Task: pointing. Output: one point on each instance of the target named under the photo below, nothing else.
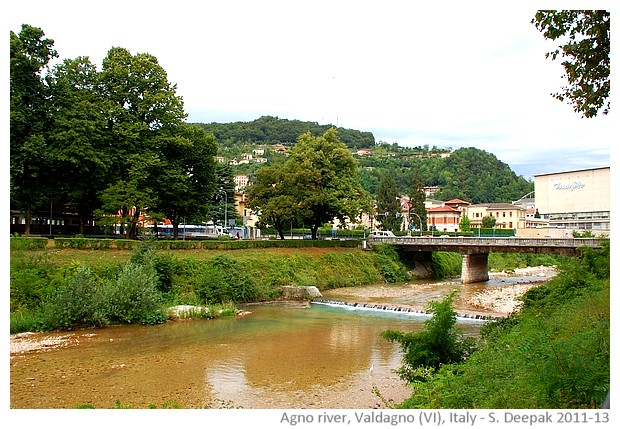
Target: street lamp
(420, 221)
(225, 208)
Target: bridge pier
(475, 268)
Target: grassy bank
(61, 287)
(64, 283)
(553, 353)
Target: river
(279, 356)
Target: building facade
(576, 200)
(507, 216)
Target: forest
(470, 174)
(273, 130)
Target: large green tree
(183, 175)
(143, 111)
(323, 180)
(30, 53)
(78, 142)
(585, 51)
(270, 196)
(317, 183)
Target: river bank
(487, 303)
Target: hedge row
(39, 243)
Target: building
(507, 216)
(458, 204)
(443, 219)
(241, 181)
(577, 200)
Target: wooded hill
(470, 174)
(273, 130)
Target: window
(503, 214)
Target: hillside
(470, 174)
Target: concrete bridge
(475, 250)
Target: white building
(576, 200)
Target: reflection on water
(277, 357)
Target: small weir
(398, 309)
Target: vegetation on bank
(553, 353)
(85, 282)
(65, 288)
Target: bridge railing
(491, 241)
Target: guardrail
(492, 241)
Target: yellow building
(507, 216)
(576, 200)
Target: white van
(381, 234)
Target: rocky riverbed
(505, 299)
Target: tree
(417, 209)
(143, 110)
(183, 178)
(324, 181)
(465, 224)
(439, 344)
(488, 222)
(317, 183)
(270, 196)
(77, 141)
(587, 56)
(30, 54)
(388, 204)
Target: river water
(279, 356)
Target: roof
(571, 171)
(457, 201)
(443, 209)
(497, 206)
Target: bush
(439, 344)
(446, 265)
(28, 288)
(132, 297)
(389, 264)
(26, 321)
(77, 302)
(28, 243)
(225, 281)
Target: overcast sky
(453, 76)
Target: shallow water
(279, 356)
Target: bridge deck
(469, 245)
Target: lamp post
(225, 208)
(420, 221)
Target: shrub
(446, 265)
(225, 280)
(28, 288)
(439, 344)
(26, 321)
(76, 302)
(132, 297)
(389, 264)
(28, 243)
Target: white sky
(451, 76)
